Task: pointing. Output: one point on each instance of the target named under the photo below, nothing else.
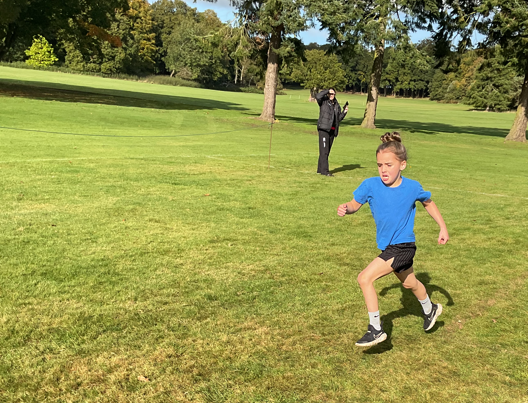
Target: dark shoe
(430, 320)
(372, 337)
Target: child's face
(389, 168)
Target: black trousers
(326, 140)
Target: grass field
(148, 253)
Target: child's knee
(410, 283)
(363, 279)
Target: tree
(126, 46)
(358, 68)
(195, 51)
(41, 53)
(242, 48)
(277, 21)
(168, 15)
(319, 71)
(408, 69)
(137, 49)
(460, 80)
(494, 84)
(502, 22)
(505, 22)
(21, 20)
(438, 86)
(372, 23)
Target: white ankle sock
(375, 320)
(426, 305)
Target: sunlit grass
(148, 253)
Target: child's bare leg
(410, 282)
(376, 269)
(431, 311)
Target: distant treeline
(170, 38)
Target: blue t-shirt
(393, 209)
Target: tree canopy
(319, 71)
(369, 47)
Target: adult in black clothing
(328, 126)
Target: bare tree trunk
(242, 74)
(518, 130)
(373, 91)
(270, 89)
(313, 92)
(172, 73)
(236, 73)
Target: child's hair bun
(394, 136)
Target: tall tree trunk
(236, 73)
(270, 89)
(373, 90)
(313, 92)
(7, 41)
(518, 130)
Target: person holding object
(330, 115)
(392, 200)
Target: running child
(392, 199)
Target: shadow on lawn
(74, 93)
(349, 167)
(435, 127)
(411, 306)
(348, 121)
(404, 125)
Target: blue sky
(226, 13)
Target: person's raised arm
(433, 211)
(343, 114)
(321, 96)
(348, 208)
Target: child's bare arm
(433, 211)
(348, 208)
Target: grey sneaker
(372, 337)
(430, 320)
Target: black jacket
(327, 112)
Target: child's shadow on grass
(411, 306)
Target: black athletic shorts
(403, 254)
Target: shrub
(40, 53)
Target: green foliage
(368, 22)
(438, 86)
(196, 51)
(245, 54)
(134, 28)
(320, 71)
(41, 53)
(168, 15)
(463, 78)
(502, 22)
(495, 86)
(408, 69)
(505, 22)
(21, 20)
(358, 68)
(264, 17)
(453, 85)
